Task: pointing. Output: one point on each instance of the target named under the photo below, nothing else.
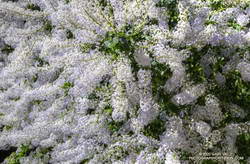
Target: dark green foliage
(172, 11)
(90, 111)
(105, 80)
(160, 74)
(139, 148)
(248, 25)
(117, 152)
(15, 157)
(69, 34)
(245, 5)
(166, 3)
(10, 0)
(235, 91)
(209, 161)
(155, 129)
(40, 62)
(103, 3)
(153, 21)
(130, 133)
(243, 145)
(36, 102)
(7, 49)
(208, 22)
(3, 89)
(103, 87)
(14, 99)
(201, 100)
(229, 118)
(242, 51)
(8, 127)
(86, 47)
(33, 7)
(108, 110)
(169, 107)
(184, 155)
(116, 43)
(47, 27)
(221, 61)
(67, 1)
(232, 23)
(218, 5)
(66, 86)
(114, 126)
(84, 161)
(93, 96)
(6, 153)
(238, 89)
(42, 152)
(34, 78)
(194, 68)
(100, 93)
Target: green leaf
(108, 110)
(15, 157)
(155, 128)
(33, 7)
(66, 86)
(114, 126)
(69, 34)
(7, 49)
(86, 47)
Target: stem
(93, 19)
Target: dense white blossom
(123, 81)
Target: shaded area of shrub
(155, 128)
(171, 10)
(6, 153)
(243, 146)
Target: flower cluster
(124, 81)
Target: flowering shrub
(124, 81)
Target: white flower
(243, 19)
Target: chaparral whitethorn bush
(124, 81)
